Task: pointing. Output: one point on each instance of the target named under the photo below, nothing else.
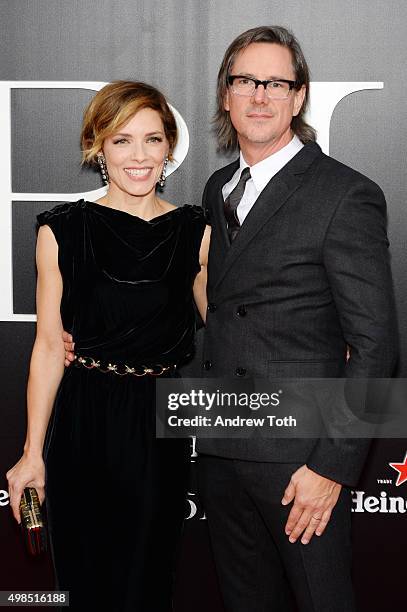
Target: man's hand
(314, 499)
(69, 347)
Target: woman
(119, 274)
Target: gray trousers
(259, 569)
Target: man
(298, 271)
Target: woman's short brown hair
(113, 106)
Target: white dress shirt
(261, 173)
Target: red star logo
(401, 468)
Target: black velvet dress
(115, 495)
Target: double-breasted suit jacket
(307, 275)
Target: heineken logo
(384, 504)
(401, 468)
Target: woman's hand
(29, 471)
(69, 347)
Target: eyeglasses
(275, 89)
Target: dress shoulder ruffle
(59, 217)
(60, 210)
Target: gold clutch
(32, 522)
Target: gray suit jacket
(307, 275)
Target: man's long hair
(226, 133)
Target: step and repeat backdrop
(54, 56)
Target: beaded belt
(122, 369)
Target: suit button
(207, 364)
(240, 372)
(241, 311)
(212, 307)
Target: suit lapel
(276, 193)
(219, 214)
(220, 244)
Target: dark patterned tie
(232, 202)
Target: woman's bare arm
(46, 370)
(201, 300)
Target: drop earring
(103, 169)
(161, 180)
